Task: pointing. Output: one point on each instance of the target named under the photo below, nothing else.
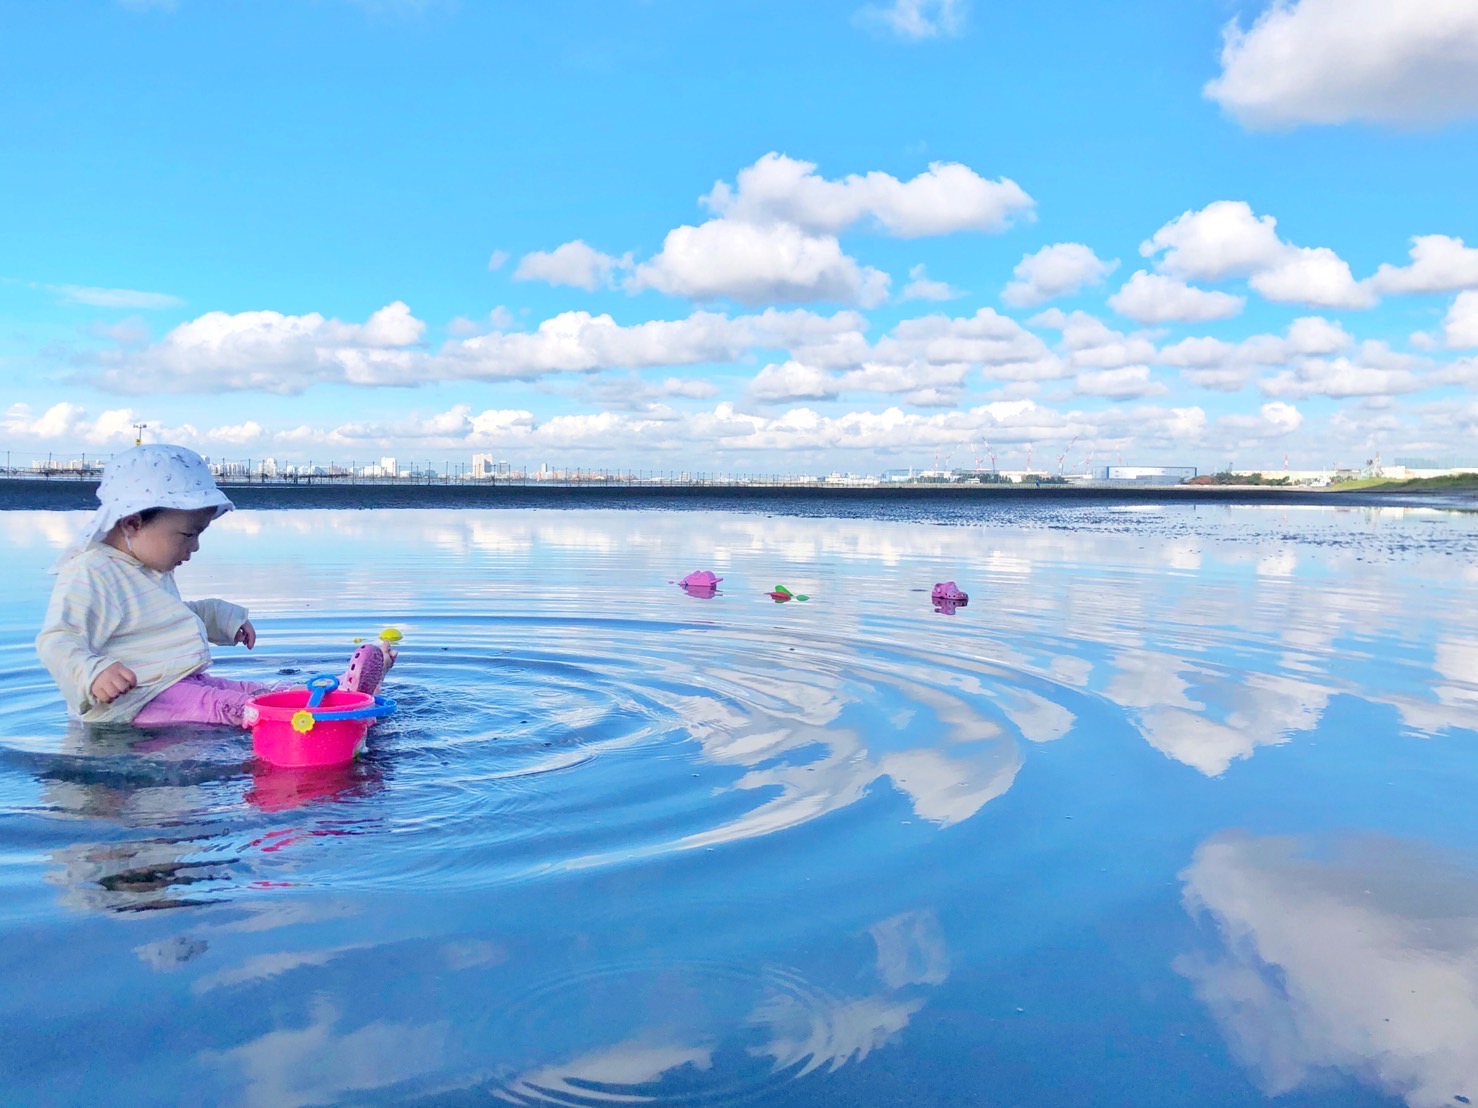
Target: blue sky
(742, 237)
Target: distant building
(485, 465)
(1148, 475)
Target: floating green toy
(782, 594)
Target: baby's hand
(112, 683)
(247, 635)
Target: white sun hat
(152, 476)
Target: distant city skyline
(789, 239)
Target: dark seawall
(69, 495)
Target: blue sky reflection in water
(1178, 809)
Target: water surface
(1179, 809)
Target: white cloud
(914, 20)
(1308, 335)
(115, 298)
(1339, 378)
(1312, 275)
(721, 431)
(1334, 61)
(219, 352)
(756, 264)
(1225, 239)
(1439, 263)
(1124, 383)
(70, 425)
(920, 287)
(1091, 343)
(1460, 327)
(948, 197)
(1154, 298)
(236, 435)
(499, 319)
(392, 325)
(271, 352)
(1227, 366)
(575, 263)
(1284, 417)
(497, 260)
(927, 358)
(578, 342)
(1357, 958)
(1058, 270)
(793, 381)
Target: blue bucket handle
(382, 706)
(323, 684)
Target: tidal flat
(1177, 809)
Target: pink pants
(199, 698)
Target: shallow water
(1179, 809)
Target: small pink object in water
(701, 582)
(948, 590)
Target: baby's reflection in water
(164, 811)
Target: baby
(118, 639)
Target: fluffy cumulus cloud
(1124, 383)
(269, 351)
(1460, 327)
(920, 287)
(1229, 366)
(1316, 276)
(946, 198)
(1058, 270)
(575, 263)
(1226, 239)
(1340, 378)
(1439, 263)
(926, 359)
(1155, 298)
(1090, 343)
(793, 381)
(916, 20)
(71, 424)
(774, 238)
(1333, 61)
(758, 264)
(722, 432)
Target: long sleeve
(222, 619)
(107, 608)
(78, 623)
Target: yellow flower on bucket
(302, 721)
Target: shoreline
(30, 494)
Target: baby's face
(169, 538)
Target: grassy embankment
(1458, 482)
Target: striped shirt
(107, 607)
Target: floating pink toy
(948, 590)
(701, 582)
(320, 725)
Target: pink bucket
(323, 726)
